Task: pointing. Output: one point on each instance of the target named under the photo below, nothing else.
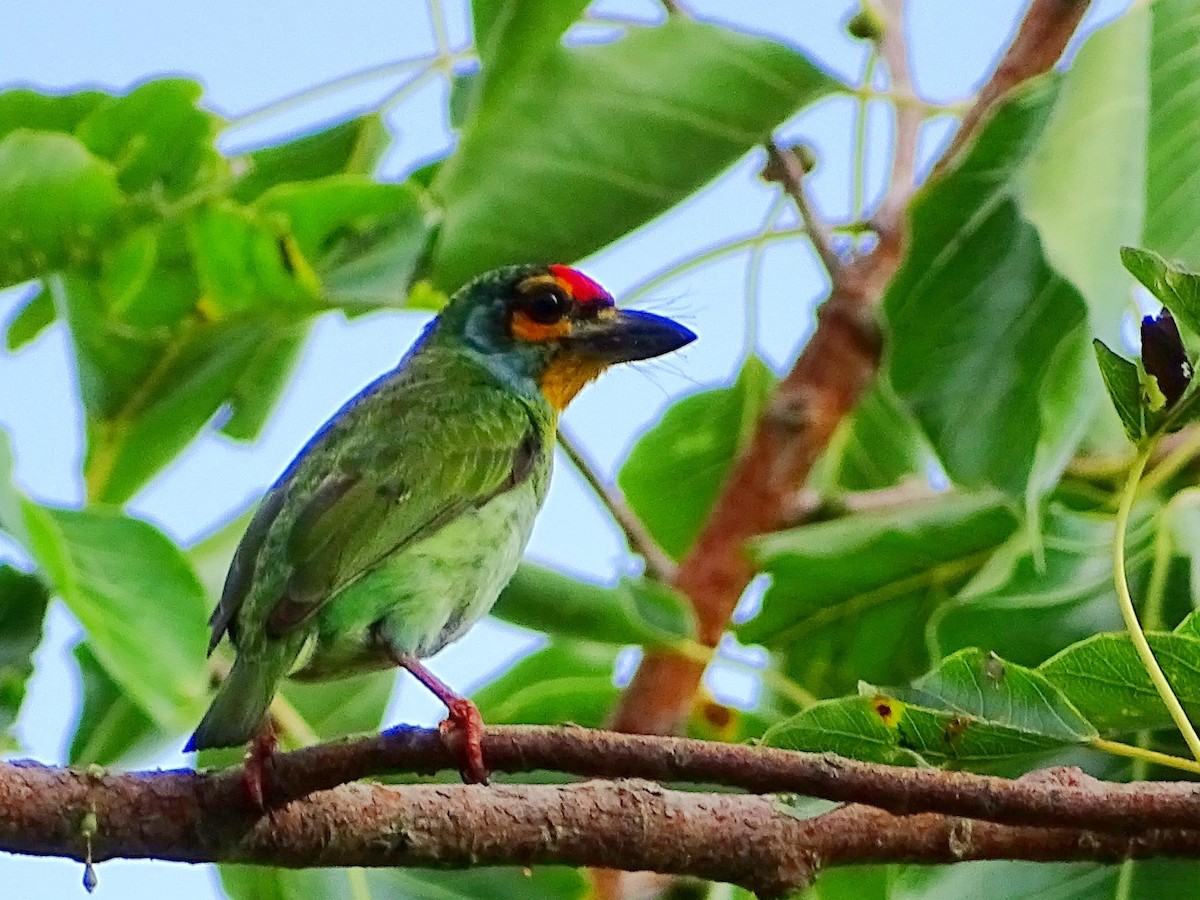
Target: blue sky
(248, 55)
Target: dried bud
(865, 25)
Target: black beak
(625, 335)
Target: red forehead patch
(581, 287)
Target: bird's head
(552, 325)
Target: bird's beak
(625, 335)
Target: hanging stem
(1129, 614)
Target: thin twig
(658, 564)
(785, 167)
(893, 47)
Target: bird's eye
(545, 305)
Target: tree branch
(750, 840)
(824, 385)
(785, 167)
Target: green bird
(398, 524)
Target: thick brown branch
(832, 372)
(747, 840)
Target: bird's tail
(238, 710)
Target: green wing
(403, 493)
(408, 455)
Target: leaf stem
(1143, 754)
(1129, 614)
(1170, 464)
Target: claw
(255, 774)
(465, 718)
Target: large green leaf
(352, 147)
(568, 681)
(975, 311)
(1027, 608)
(57, 203)
(1084, 186)
(24, 108)
(567, 148)
(675, 471)
(975, 710)
(493, 882)
(23, 600)
(363, 239)
(263, 381)
(987, 687)
(629, 613)
(155, 137)
(138, 600)
(1173, 155)
(244, 263)
(1144, 879)
(1176, 287)
(847, 568)
(1105, 679)
(865, 728)
(877, 445)
(111, 725)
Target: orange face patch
(566, 376)
(524, 328)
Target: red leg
(255, 767)
(464, 717)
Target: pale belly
(425, 597)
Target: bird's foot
(256, 767)
(465, 718)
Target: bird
(397, 525)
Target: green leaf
(57, 203)
(1173, 155)
(1144, 879)
(975, 311)
(147, 281)
(363, 239)
(1083, 187)
(263, 381)
(846, 568)
(23, 108)
(675, 471)
(865, 728)
(1027, 608)
(544, 114)
(1176, 287)
(111, 725)
(974, 710)
(34, 317)
(244, 263)
(545, 600)
(333, 709)
(1105, 679)
(492, 882)
(878, 445)
(138, 600)
(23, 599)
(156, 137)
(991, 689)
(568, 681)
(1124, 386)
(354, 147)
(185, 388)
